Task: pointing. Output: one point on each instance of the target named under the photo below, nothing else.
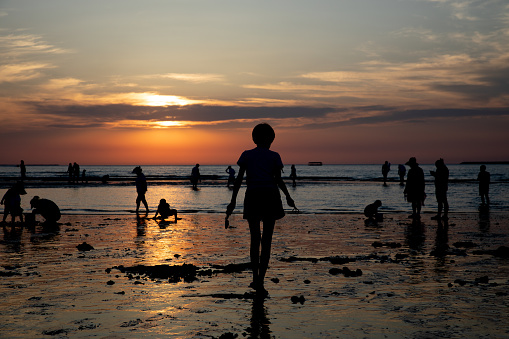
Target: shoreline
(429, 279)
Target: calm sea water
(320, 189)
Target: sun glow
(164, 100)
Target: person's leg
(268, 230)
(446, 206)
(138, 200)
(254, 229)
(145, 203)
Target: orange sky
(343, 82)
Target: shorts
(441, 195)
(263, 204)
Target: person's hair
(378, 202)
(483, 167)
(263, 134)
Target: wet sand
(403, 280)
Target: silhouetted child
(293, 175)
(386, 167)
(484, 185)
(231, 176)
(414, 188)
(401, 173)
(23, 170)
(141, 188)
(441, 186)
(12, 202)
(45, 207)
(371, 211)
(262, 201)
(195, 176)
(165, 211)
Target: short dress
(262, 200)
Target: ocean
(320, 189)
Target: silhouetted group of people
(415, 186)
(262, 168)
(73, 171)
(12, 205)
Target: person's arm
(236, 188)
(282, 186)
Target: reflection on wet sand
(417, 278)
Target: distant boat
(315, 163)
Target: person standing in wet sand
(12, 202)
(262, 202)
(441, 185)
(293, 175)
(414, 188)
(195, 176)
(386, 167)
(401, 173)
(231, 176)
(484, 185)
(23, 170)
(141, 189)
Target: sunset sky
(185, 81)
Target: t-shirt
(141, 183)
(261, 166)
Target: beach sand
(423, 280)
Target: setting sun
(163, 100)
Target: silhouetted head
(162, 201)
(137, 170)
(19, 187)
(34, 202)
(378, 203)
(439, 163)
(483, 168)
(412, 162)
(263, 135)
(197, 165)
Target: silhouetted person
(414, 188)
(262, 202)
(12, 202)
(84, 177)
(45, 207)
(76, 172)
(70, 171)
(293, 175)
(484, 185)
(195, 176)
(231, 176)
(165, 211)
(386, 167)
(23, 170)
(401, 173)
(371, 211)
(441, 186)
(141, 188)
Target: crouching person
(165, 211)
(45, 207)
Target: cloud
(96, 114)
(190, 77)
(15, 45)
(22, 71)
(411, 116)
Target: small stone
(84, 247)
(110, 282)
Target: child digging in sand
(371, 211)
(262, 202)
(165, 211)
